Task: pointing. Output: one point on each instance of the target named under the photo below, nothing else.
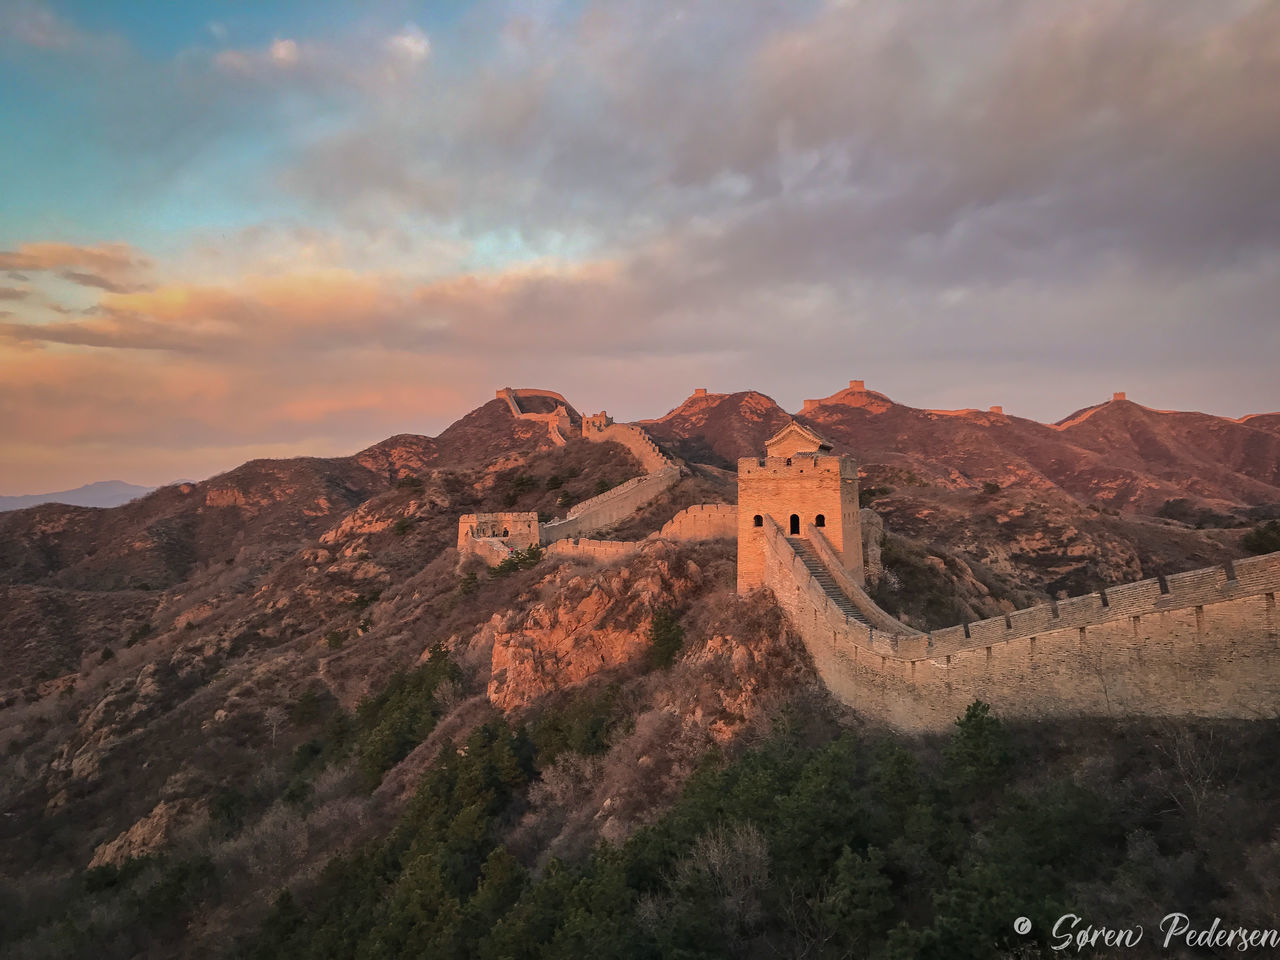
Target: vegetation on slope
(819, 843)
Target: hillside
(1118, 455)
(210, 693)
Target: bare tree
(274, 717)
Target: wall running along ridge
(596, 513)
(704, 521)
(1202, 644)
(557, 423)
(610, 507)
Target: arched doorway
(795, 524)
(758, 521)
(820, 520)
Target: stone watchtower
(798, 483)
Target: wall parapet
(1141, 598)
(611, 506)
(636, 440)
(702, 521)
(603, 551)
(877, 617)
(1214, 650)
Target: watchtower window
(506, 532)
(788, 461)
(795, 525)
(757, 521)
(820, 520)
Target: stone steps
(832, 589)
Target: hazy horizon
(795, 408)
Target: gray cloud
(970, 203)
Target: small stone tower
(799, 483)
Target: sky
(232, 230)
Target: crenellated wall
(703, 521)
(600, 551)
(635, 440)
(610, 507)
(1204, 643)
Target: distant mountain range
(104, 493)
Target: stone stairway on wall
(819, 571)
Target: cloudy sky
(231, 230)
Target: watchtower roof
(795, 438)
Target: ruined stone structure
(493, 536)
(596, 423)
(1201, 643)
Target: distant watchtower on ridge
(806, 490)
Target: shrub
(107, 654)
(978, 750)
(990, 487)
(1264, 538)
(403, 526)
(400, 717)
(581, 726)
(362, 601)
(140, 632)
(409, 482)
(665, 639)
(519, 560)
(335, 639)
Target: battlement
(842, 466)
(1141, 598)
(596, 423)
(1200, 643)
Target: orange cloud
(107, 258)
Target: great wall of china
(1200, 643)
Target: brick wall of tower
(807, 486)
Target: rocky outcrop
(152, 833)
(589, 623)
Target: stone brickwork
(634, 439)
(517, 530)
(1204, 643)
(600, 551)
(610, 507)
(596, 423)
(1200, 643)
(818, 489)
(704, 521)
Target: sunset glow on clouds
(234, 230)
